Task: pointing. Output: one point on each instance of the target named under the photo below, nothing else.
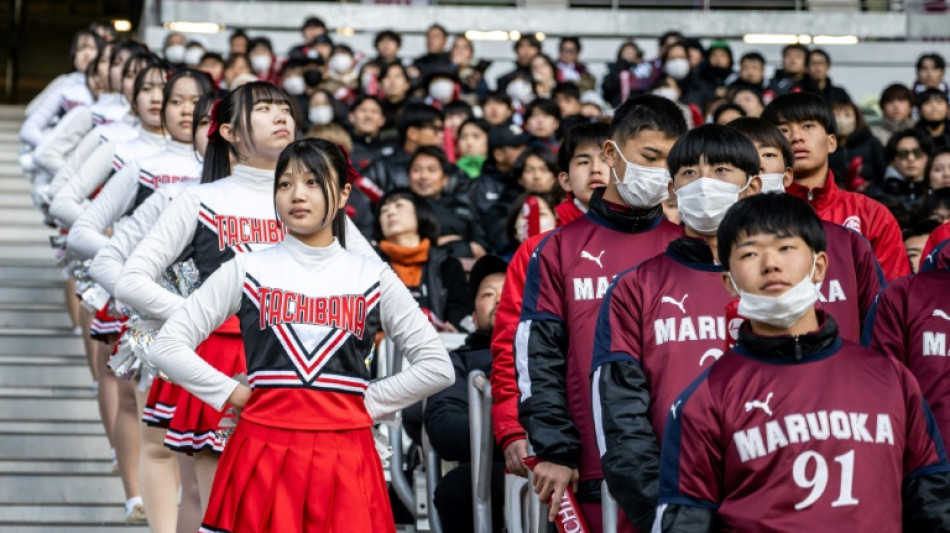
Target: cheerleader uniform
(50, 154)
(209, 224)
(302, 457)
(65, 96)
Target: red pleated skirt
(105, 327)
(194, 425)
(273, 480)
(161, 403)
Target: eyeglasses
(905, 154)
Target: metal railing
(480, 439)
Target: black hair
(262, 41)
(681, 44)
(800, 107)
(728, 106)
(817, 52)
(542, 153)
(919, 228)
(161, 66)
(529, 39)
(896, 91)
(764, 133)
(925, 141)
(445, 33)
(342, 48)
(431, 151)
(549, 198)
(929, 94)
(939, 198)
(203, 109)
(779, 214)
(313, 22)
(457, 107)
(630, 44)
(646, 112)
(236, 110)
(479, 123)
(212, 55)
(234, 58)
(416, 115)
(360, 100)
(576, 41)
(716, 144)
(325, 160)
(106, 25)
(671, 33)
(77, 39)
(752, 56)
(202, 79)
(143, 60)
(937, 59)
(795, 46)
(545, 105)
(387, 34)
(384, 70)
(238, 34)
(581, 135)
(427, 225)
(132, 47)
(568, 89)
(497, 96)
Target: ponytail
(217, 162)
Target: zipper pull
(811, 194)
(798, 349)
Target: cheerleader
(302, 457)
(209, 224)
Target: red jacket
(939, 235)
(504, 386)
(864, 215)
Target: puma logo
(715, 353)
(675, 407)
(586, 255)
(669, 300)
(941, 314)
(756, 404)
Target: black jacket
(831, 92)
(864, 145)
(392, 171)
(940, 141)
(457, 216)
(492, 195)
(505, 79)
(782, 83)
(368, 149)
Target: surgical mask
(193, 56)
(642, 187)
(703, 203)
(667, 92)
(175, 53)
(442, 90)
(320, 115)
(341, 63)
(677, 68)
(773, 182)
(260, 64)
(519, 90)
(780, 311)
(846, 126)
(295, 85)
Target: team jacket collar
(788, 349)
(628, 220)
(693, 252)
(819, 197)
(310, 256)
(255, 177)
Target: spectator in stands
(536, 171)
(914, 240)
(526, 48)
(194, 51)
(569, 67)
(542, 120)
(520, 88)
(544, 75)
(213, 64)
(367, 120)
(748, 99)
(693, 88)
(173, 49)
(419, 125)
(322, 109)
(593, 106)
(818, 82)
(717, 68)
(751, 73)
(938, 170)
(312, 28)
(387, 45)
(395, 85)
(460, 231)
(792, 74)
(932, 107)
(936, 206)
(518, 222)
(497, 188)
(456, 112)
(726, 113)
(629, 74)
(263, 61)
(435, 58)
(342, 77)
(447, 417)
(237, 65)
(238, 42)
(907, 154)
(897, 106)
(931, 69)
(408, 232)
(497, 108)
(473, 146)
(859, 159)
(471, 72)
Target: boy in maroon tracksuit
(567, 278)
(795, 429)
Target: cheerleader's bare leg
(89, 345)
(189, 511)
(206, 463)
(72, 303)
(158, 478)
(108, 392)
(126, 437)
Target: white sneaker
(135, 515)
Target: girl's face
(238, 67)
(897, 109)
(940, 172)
(473, 141)
(148, 102)
(128, 80)
(201, 133)
(398, 217)
(85, 53)
(461, 51)
(180, 109)
(273, 129)
(749, 102)
(395, 84)
(541, 125)
(547, 220)
(426, 177)
(537, 177)
(541, 70)
(303, 207)
(319, 99)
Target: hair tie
(168, 75)
(214, 121)
(352, 175)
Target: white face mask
(320, 115)
(341, 63)
(260, 64)
(519, 90)
(193, 56)
(442, 90)
(175, 53)
(677, 68)
(703, 203)
(295, 85)
(667, 92)
(642, 187)
(780, 311)
(772, 182)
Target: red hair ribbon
(214, 121)
(354, 178)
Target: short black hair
(458, 107)
(387, 34)
(542, 153)
(920, 228)
(581, 135)
(818, 52)
(313, 22)
(764, 133)
(929, 94)
(939, 198)
(445, 32)
(716, 144)
(778, 214)
(671, 33)
(417, 115)
(752, 56)
(238, 34)
(795, 46)
(568, 89)
(728, 106)
(925, 141)
(896, 91)
(647, 112)
(431, 151)
(800, 107)
(544, 105)
(576, 41)
(260, 41)
(213, 56)
(426, 221)
(529, 39)
(938, 60)
(360, 100)
(497, 96)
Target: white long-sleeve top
(63, 97)
(52, 152)
(315, 380)
(50, 88)
(213, 221)
(109, 157)
(122, 130)
(128, 188)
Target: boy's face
(496, 112)
(568, 105)
(724, 172)
(915, 247)
(586, 172)
(771, 161)
(751, 71)
(769, 265)
(929, 75)
(909, 159)
(898, 109)
(818, 67)
(934, 109)
(541, 125)
(793, 62)
(811, 144)
(649, 148)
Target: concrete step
(71, 391)
(55, 318)
(37, 272)
(84, 466)
(74, 488)
(49, 292)
(36, 447)
(33, 250)
(21, 216)
(73, 528)
(39, 514)
(19, 427)
(26, 234)
(28, 375)
(14, 186)
(60, 345)
(42, 360)
(15, 200)
(48, 409)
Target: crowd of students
(682, 285)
